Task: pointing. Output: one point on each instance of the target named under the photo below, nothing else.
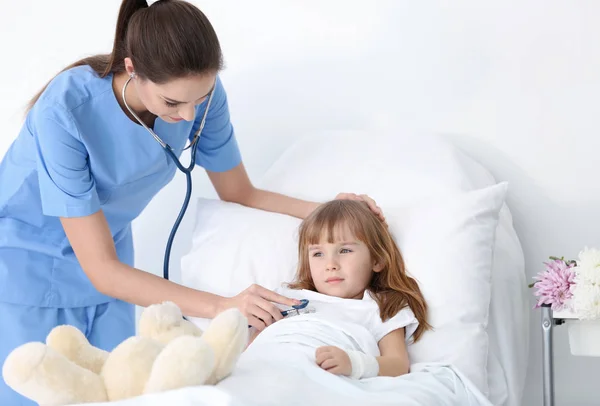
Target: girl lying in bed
(366, 309)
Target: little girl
(353, 275)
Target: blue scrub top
(77, 153)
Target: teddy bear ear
(158, 318)
(164, 322)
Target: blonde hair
(391, 288)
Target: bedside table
(584, 340)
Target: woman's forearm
(275, 202)
(132, 285)
(93, 245)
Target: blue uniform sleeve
(67, 188)
(217, 149)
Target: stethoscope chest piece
(297, 310)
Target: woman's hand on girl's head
(257, 304)
(369, 201)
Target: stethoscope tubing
(186, 170)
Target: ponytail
(115, 61)
(105, 64)
(170, 39)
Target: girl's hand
(333, 359)
(370, 202)
(256, 303)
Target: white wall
(514, 83)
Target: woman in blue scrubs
(82, 169)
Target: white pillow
(447, 243)
(235, 246)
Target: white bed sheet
(274, 385)
(279, 369)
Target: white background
(515, 84)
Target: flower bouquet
(573, 287)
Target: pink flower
(553, 286)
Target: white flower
(586, 301)
(587, 270)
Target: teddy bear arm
(228, 335)
(128, 367)
(186, 361)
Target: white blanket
(279, 369)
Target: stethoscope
(187, 171)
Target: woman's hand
(256, 303)
(370, 202)
(333, 359)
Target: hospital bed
(435, 198)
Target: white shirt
(355, 313)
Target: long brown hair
(391, 288)
(170, 39)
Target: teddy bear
(168, 352)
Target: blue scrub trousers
(105, 326)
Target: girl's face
(343, 268)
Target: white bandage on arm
(363, 365)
